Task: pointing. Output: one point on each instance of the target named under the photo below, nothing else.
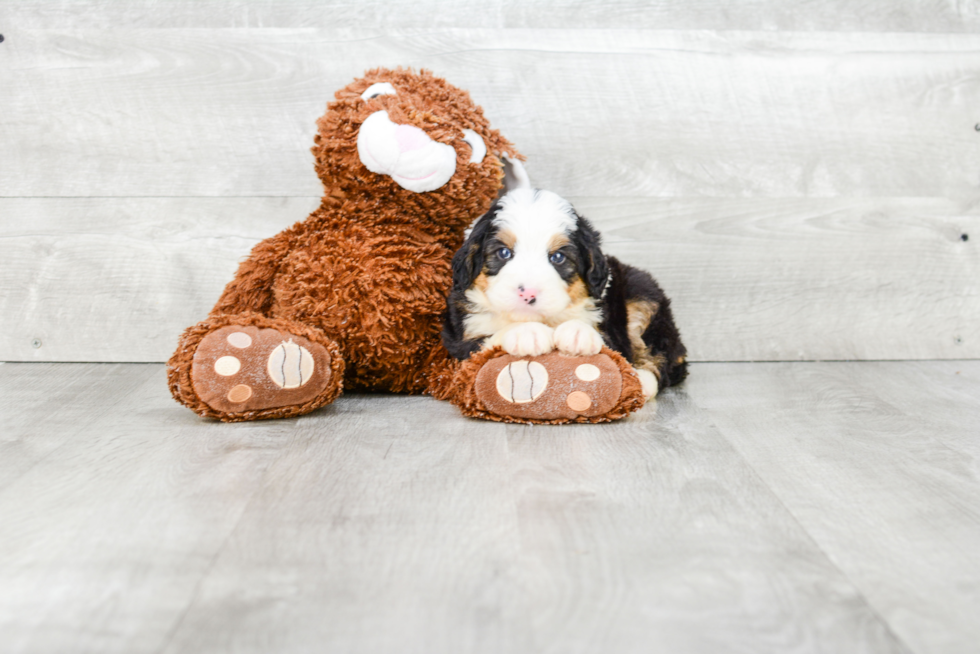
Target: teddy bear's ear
(514, 174)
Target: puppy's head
(531, 257)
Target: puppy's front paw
(648, 381)
(577, 338)
(529, 339)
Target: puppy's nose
(410, 138)
(530, 296)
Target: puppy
(531, 278)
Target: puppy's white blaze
(541, 211)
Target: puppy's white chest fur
(485, 320)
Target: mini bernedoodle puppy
(531, 278)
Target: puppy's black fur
(468, 263)
(661, 340)
(619, 290)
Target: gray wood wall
(802, 177)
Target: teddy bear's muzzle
(405, 153)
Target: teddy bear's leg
(440, 369)
(249, 367)
(552, 388)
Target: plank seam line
(830, 560)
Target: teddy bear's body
(380, 293)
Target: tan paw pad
(549, 387)
(242, 368)
(522, 381)
(239, 394)
(227, 366)
(241, 340)
(578, 401)
(587, 372)
(290, 365)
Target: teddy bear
(353, 296)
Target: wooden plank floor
(766, 507)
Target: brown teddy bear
(353, 296)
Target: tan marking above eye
(507, 237)
(557, 242)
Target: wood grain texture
(651, 535)
(105, 540)
(757, 279)
(392, 534)
(206, 112)
(127, 275)
(391, 524)
(803, 279)
(62, 399)
(519, 540)
(831, 15)
(879, 464)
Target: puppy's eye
(504, 253)
(556, 258)
(477, 146)
(379, 88)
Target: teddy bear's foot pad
(238, 369)
(549, 387)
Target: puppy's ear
(468, 260)
(592, 262)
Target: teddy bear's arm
(251, 288)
